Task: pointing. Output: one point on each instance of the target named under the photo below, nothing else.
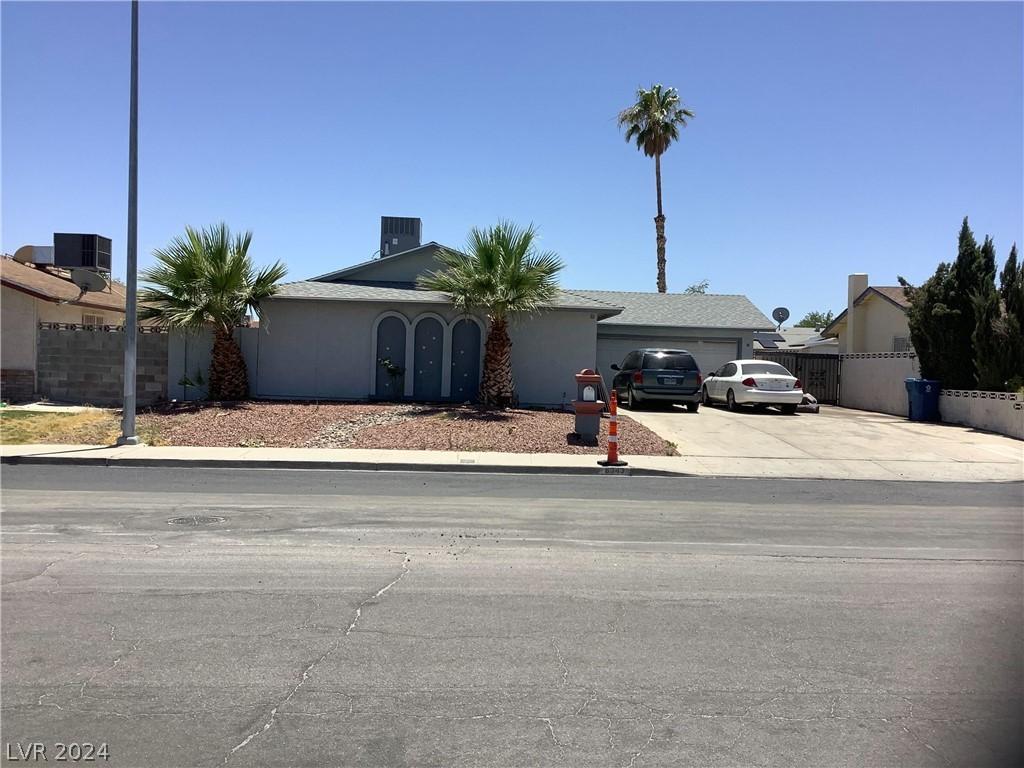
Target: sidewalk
(518, 463)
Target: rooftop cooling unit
(34, 254)
(77, 251)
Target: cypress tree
(988, 338)
(1011, 294)
(945, 311)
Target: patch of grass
(83, 428)
(671, 449)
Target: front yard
(334, 425)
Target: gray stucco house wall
(327, 348)
(326, 338)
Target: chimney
(399, 233)
(856, 284)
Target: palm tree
(207, 278)
(504, 275)
(653, 122)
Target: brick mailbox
(587, 405)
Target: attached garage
(713, 328)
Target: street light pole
(131, 330)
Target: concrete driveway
(836, 443)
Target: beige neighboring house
(875, 319)
(33, 294)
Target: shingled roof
(356, 290)
(56, 286)
(689, 310)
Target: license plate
(669, 380)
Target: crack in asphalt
(639, 752)
(43, 572)
(309, 669)
(561, 663)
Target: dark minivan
(663, 375)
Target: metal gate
(818, 373)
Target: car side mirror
(615, 367)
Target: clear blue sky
(829, 138)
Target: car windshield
(669, 361)
(773, 368)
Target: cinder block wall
(85, 366)
(17, 384)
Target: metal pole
(128, 436)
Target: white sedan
(753, 382)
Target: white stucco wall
(875, 381)
(324, 349)
(18, 322)
(1001, 412)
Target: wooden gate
(818, 373)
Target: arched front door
(465, 360)
(390, 346)
(427, 359)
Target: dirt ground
(338, 425)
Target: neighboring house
(31, 295)
(875, 319)
(369, 331)
(801, 340)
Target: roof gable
(894, 294)
(402, 267)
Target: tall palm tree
(207, 278)
(502, 274)
(653, 122)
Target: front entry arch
(391, 337)
(428, 358)
(466, 337)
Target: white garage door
(710, 354)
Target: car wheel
(704, 397)
(730, 400)
(789, 410)
(630, 399)
(693, 407)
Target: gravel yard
(464, 428)
(404, 426)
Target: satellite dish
(87, 280)
(780, 315)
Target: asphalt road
(384, 619)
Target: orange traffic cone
(613, 433)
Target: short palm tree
(653, 122)
(207, 279)
(502, 274)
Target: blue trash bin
(923, 399)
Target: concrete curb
(363, 466)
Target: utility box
(588, 406)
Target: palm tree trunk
(228, 377)
(659, 229)
(497, 387)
